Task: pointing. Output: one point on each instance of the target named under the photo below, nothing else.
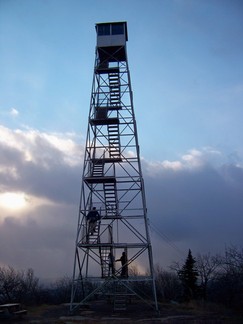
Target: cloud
(198, 205)
(39, 187)
(42, 240)
(192, 160)
(39, 164)
(194, 202)
(14, 112)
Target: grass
(195, 312)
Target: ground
(137, 312)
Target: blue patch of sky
(185, 59)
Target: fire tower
(112, 182)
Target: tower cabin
(111, 42)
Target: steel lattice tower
(112, 182)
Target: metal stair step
(114, 84)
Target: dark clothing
(124, 270)
(111, 260)
(93, 216)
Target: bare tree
(176, 267)
(233, 277)
(168, 284)
(9, 284)
(19, 286)
(30, 286)
(207, 267)
(233, 260)
(61, 290)
(227, 284)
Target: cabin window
(104, 30)
(117, 29)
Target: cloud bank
(194, 202)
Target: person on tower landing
(124, 270)
(92, 217)
(111, 260)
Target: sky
(185, 60)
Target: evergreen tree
(188, 275)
